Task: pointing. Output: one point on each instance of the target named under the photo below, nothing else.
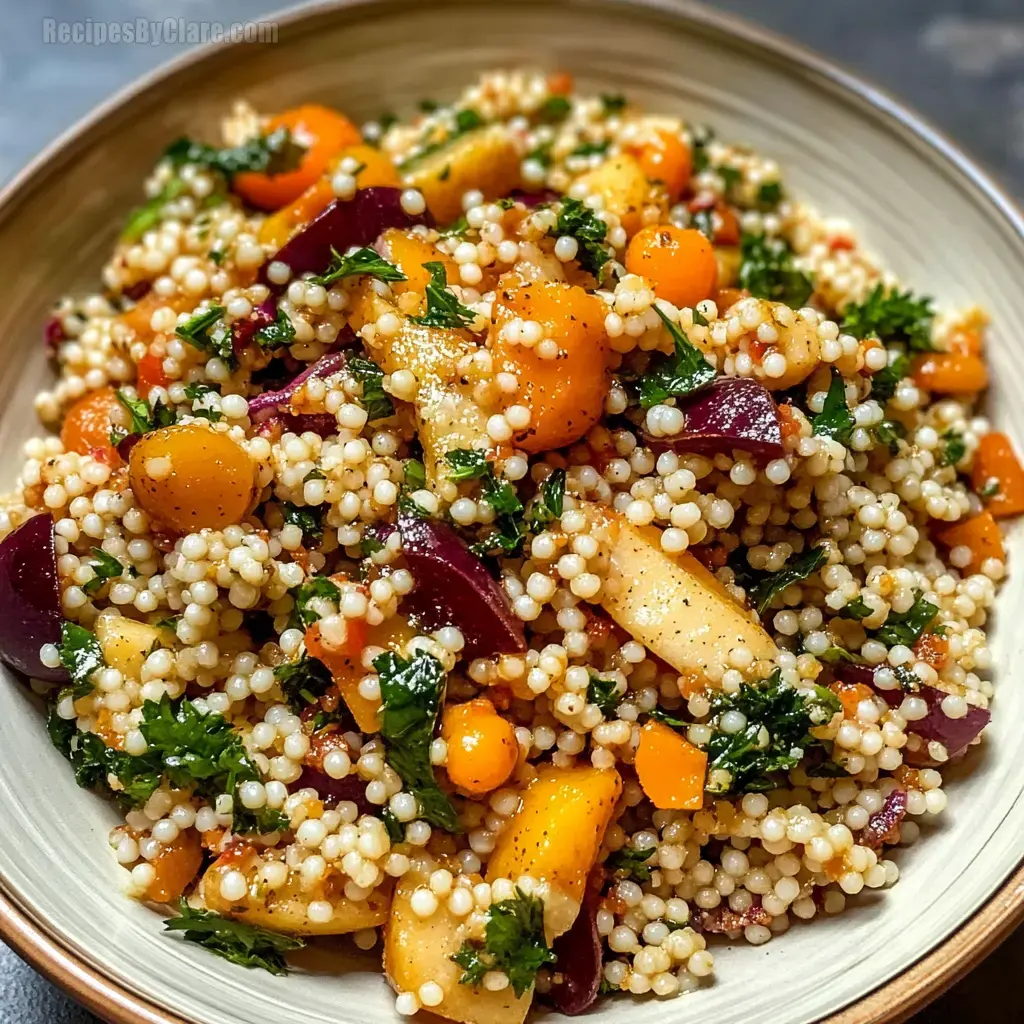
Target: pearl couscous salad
(520, 536)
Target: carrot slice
(996, 466)
(323, 131)
(671, 770)
(981, 534)
(950, 373)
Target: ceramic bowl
(922, 206)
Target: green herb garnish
(319, 587)
(612, 103)
(443, 308)
(953, 449)
(144, 419)
(80, 654)
(762, 587)
(513, 943)
(106, 567)
(632, 863)
(677, 375)
(376, 401)
(767, 271)
(549, 502)
(835, 419)
(148, 216)
(207, 332)
(554, 109)
(411, 691)
(906, 627)
(884, 381)
(303, 682)
(277, 334)
(604, 693)
(361, 261)
(241, 943)
(309, 519)
(275, 153)
(892, 316)
(578, 221)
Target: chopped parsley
(906, 627)
(767, 271)
(513, 943)
(953, 449)
(892, 316)
(106, 567)
(604, 693)
(612, 103)
(148, 216)
(762, 587)
(259, 822)
(276, 334)
(541, 154)
(376, 401)
(415, 475)
(884, 381)
(207, 332)
(361, 261)
(465, 120)
(591, 148)
(144, 419)
(467, 464)
(632, 863)
(550, 500)
(770, 194)
(443, 308)
(680, 374)
(394, 828)
(94, 763)
(274, 153)
(554, 109)
(303, 682)
(309, 519)
(197, 393)
(318, 587)
(890, 433)
(775, 738)
(835, 419)
(578, 221)
(856, 609)
(370, 546)
(241, 943)
(80, 655)
(701, 137)
(411, 692)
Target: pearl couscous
(522, 536)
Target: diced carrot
(996, 466)
(933, 649)
(322, 131)
(850, 695)
(671, 770)
(137, 318)
(149, 374)
(725, 298)
(950, 373)
(968, 341)
(176, 865)
(728, 232)
(374, 168)
(789, 425)
(482, 746)
(88, 422)
(560, 83)
(667, 159)
(981, 534)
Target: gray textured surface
(960, 62)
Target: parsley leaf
(612, 103)
(884, 381)
(376, 401)
(770, 194)
(207, 332)
(554, 109)
(80, 654)
(443, 308)
(906, 627)
(148, 216)
(411, 692)
(890, 432)
(241, 943)
(762, 587)
(604, 693)
(892, 316)
(309, 518)
(106, 567)
(680, 374)
(591, 148)
(274, 153)
(550, 500)
(632, 863)
(415, 475)
(303, 682)
(767, 271)
(259, 822)
(513, 943)
(94, 762)
(317, 587)
(467, 464)
(578, 221)
(835, 419)
(361, 261)
(954, 448)
(142, 419)
(277, 334)
(775, 738)
(855, 609)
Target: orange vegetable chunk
(176, 865)
(995, 460)
(88, 422)
(667, 159)
(679, 262)
(981, 534)
(671, 770)
(950, 373)
(482, 746)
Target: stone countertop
(951, 59)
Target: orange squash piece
(482, 746)
(950, 373)
(995, 460)
(671, 770)
(981, 534)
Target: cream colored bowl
(922, 206)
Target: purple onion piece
(533, 199)
(126, 444)
(242, 331)
(883, 826)
(955, 734)
(336, 791)
(731, 413)
(137, 291)
(53, 335)
(273, 403)
(30, 598)
(578, 953)
(454, 589)
(357, 221)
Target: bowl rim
(895, 1000)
